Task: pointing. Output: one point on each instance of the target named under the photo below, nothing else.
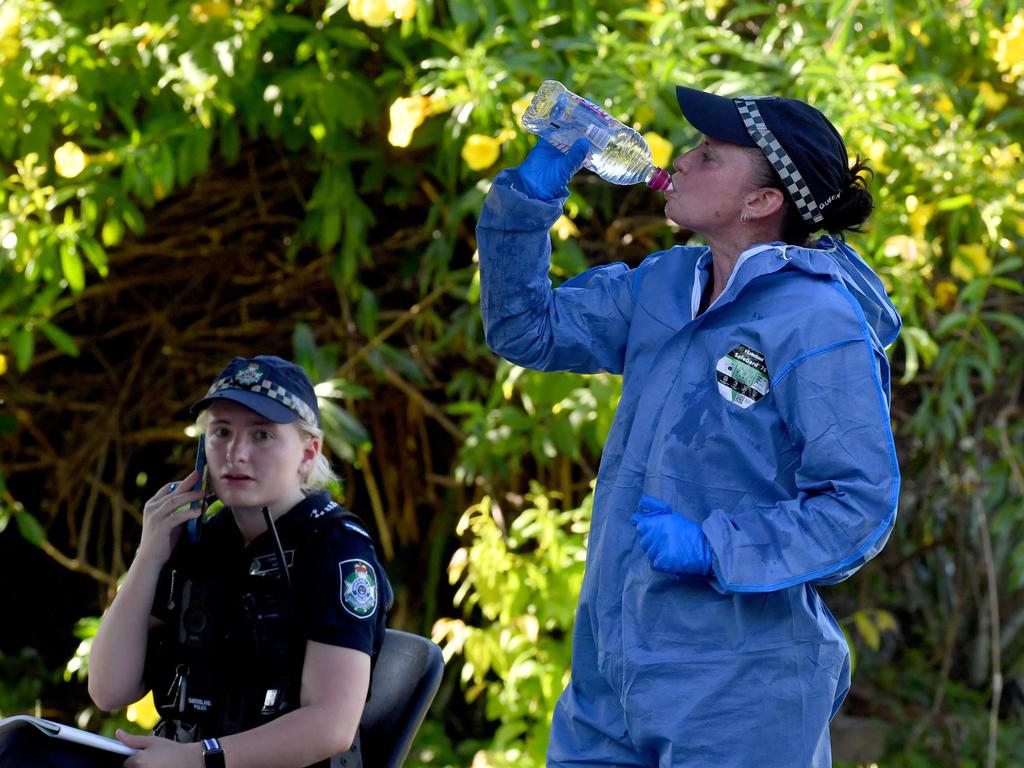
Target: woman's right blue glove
(546, 171)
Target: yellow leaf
(884, 73)
(972, 260)
(885, 621)
(990, 97)
(867, 630)
(3, 364)
(945, 294)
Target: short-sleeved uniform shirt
(235, 633)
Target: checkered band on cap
(267, 389)
(806, 205)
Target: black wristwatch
(213, 755)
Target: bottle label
(598, 136)
(579, 118)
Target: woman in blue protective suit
(751, 458)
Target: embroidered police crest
(358, 588)
(249, 376)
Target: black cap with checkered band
(801, 144)
(276, 389)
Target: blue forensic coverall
(765, 420)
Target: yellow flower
(3, 364)
(480, 151)
(945, 107)
(69, 160)
(407, 114)
(143, 712)
(971, 261)
(10, 31)
(212, 9)
(403, 9)
(374, 13)
(565, 228)
(990, 97)
(917, 31)
(1009, 48)
(712, 8)
(661, 149)
(945, 294)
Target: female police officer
(252, 663)
(751, 457)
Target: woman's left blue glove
(675, 544)
(546, 171)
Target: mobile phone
(196, 524)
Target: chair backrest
(405, 681)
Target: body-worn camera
(202, 613)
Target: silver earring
(744, 218)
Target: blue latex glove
(675, 544)
(546, 171)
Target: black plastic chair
(405, 681)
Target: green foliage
(518, 592)
(109, 109)
(22, 680)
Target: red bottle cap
(660, 180)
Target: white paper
(66, 733)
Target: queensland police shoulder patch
(358, 588)
(742, 376)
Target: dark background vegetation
(184, 182)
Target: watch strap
(213, 754)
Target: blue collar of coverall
(831, 258)
(701, 274)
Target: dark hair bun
(854, 204)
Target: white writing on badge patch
(266, 565)
(742, 376)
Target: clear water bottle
(618, 153)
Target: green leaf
(71, 265)
(867, 629)
(60, 339)
(1012, 322)
(95, 253)
(304, 347)
(29, 527)
(23, 342)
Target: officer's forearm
(304, 736)
(118, 652)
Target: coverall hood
(835, 259)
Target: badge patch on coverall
(742, 376)
(358, 588)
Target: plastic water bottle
(617, 153)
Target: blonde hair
(320, 476)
